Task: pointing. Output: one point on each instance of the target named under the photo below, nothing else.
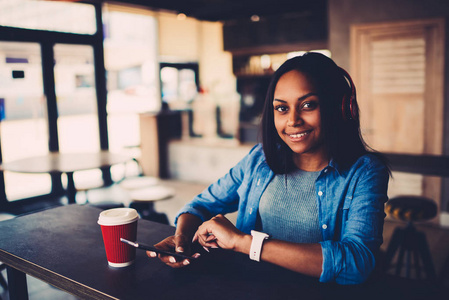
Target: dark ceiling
(227, 10)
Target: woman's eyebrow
(299, 99)
(307, 96)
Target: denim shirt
(350, 209)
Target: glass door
(77, 105)
(57, 60)
(130, 50)
(76, 99)
(24, 126)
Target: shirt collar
(333, 164)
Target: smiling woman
(311, 197)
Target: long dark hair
(343, 141)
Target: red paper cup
(119, 223)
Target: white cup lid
(117, 216)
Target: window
(48, 15)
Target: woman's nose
(294, 118)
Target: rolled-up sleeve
(350, 259)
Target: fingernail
(172, 259)
(179, 249)
(215, 247)
(205, 248)
(185, 262)
(196, 255)
(152, 254)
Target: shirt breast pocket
(343, 214)
(345, 207)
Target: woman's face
(297, 117)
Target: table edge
(61, 282)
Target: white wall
(178, 39)
(190, 40)
(201, 162)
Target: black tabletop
(63, 246)
(57, 162)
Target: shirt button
(324, 226)
(325, 170)
(320, 193)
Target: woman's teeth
(295, 136)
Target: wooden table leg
(17, 284)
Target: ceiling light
(255, 18)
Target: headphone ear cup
(349, 108)
(353, 108)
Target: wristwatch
(256, 244)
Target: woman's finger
(182, 244)
(212, 245)
(210, 237)
(178, 243)
(151, 254)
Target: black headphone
(349, 106)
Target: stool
(105, 204)
(133, 183)
(143, 200)
(444, 275)
(408, 240)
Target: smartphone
(154, 249)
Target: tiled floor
(438, 238)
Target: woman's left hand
(219, 232)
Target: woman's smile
(299, 136)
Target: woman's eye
(280, 108)
(310, 105)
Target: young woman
(311, 197)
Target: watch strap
(256, 244)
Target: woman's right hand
(178, 243)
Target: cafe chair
(142, 198)
(86, 186)
(3, 283)
(103, 204)
(134, 177)
(408, 240)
